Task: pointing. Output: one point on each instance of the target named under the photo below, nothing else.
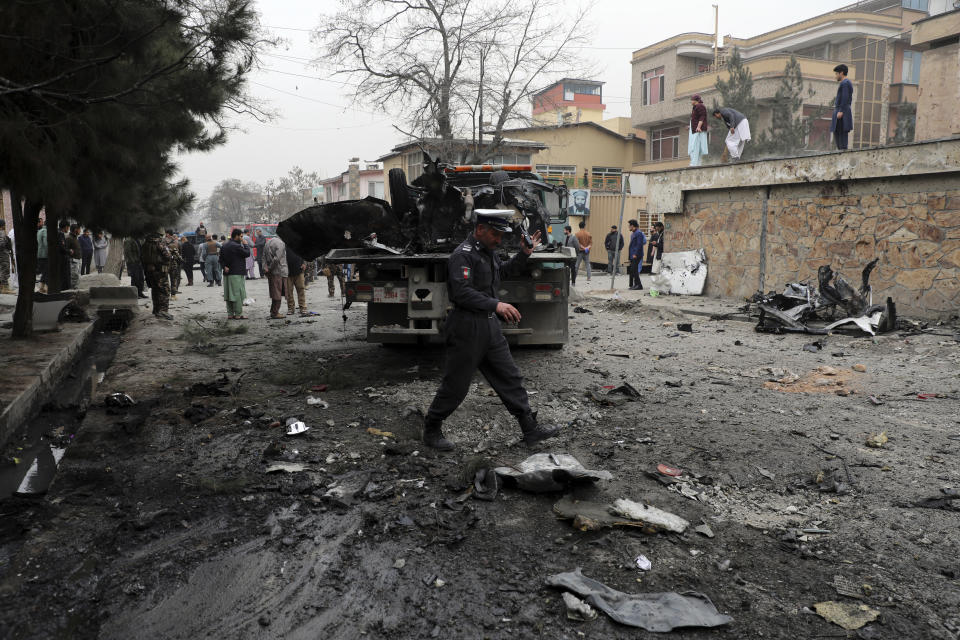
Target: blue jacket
(844, 99)
(86, 245)
(637, 240)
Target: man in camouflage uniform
(176, 261)
(157, 264)
(332, 270)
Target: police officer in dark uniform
(473, 334)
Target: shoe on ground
(433, 435)
(534, 432)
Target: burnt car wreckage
(401, 248)
(801, 308)
(433, 214)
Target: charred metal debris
(803, 309)
(434, 214)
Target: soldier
(473, 333)
(6, 254)
(332, 270)
(157, 263)
(172, 243)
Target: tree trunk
(25, 227)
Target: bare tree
(443, 66)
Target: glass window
(919, 5)
(565, 172)
(665, 143)
(653, 86)
(414, 164)
(375, 189)
(911, 67)
(605, 178)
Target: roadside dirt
(158, 527)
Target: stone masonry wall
(912, 223)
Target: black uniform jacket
(474, 274)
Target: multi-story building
(589, 154)
(871, 37)
(354, 183)
(569, 101)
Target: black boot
(533, 432)
(433, 435)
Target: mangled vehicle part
(544, 472)
(657, 612)
(682, 273)
(802, 309)
(433, 214)
(590, 516)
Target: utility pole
(716, 37)
(616, 242)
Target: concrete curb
(38, 385)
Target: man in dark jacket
(188, 251)
(842, 122)
(86, 251)
(295, 269)
(614, 245)
(473, 333)
(260, 244)
(637, 240)
(233, 261)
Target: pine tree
(96, 95)
(788, 130)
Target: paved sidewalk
(599, 288)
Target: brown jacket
(585, 239)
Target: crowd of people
(161, 262)
(582, 241)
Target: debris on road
(643, 563)
(295, 427)
(286, 467)
(656, 612)
(377, 432)
(849, 615)
(669, 471)
(317, 402)
(705, 530)
(823, 379)
(946, 501)
(119, 400)
(682, 273)
(877, 440)
(577, 609)
(801, 308)
(650, 515)
(543, 472)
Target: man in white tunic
(738, 130)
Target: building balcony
(762, 67)
(903, 93)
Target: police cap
(498, 219)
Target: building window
(565, 172)
(605, 178)
(665, 143)
(703, 66)
(511, 158)
(375, 189)
(653, 86)
(413, 165)
(919, 5)
(868, 58)
(911, 67)
(572, 90)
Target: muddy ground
(158, 527)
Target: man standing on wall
(842, 123)
(738, 134)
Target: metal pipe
(623, 203)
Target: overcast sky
(319, 129)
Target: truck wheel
(399, 196)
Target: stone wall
(911, 223)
